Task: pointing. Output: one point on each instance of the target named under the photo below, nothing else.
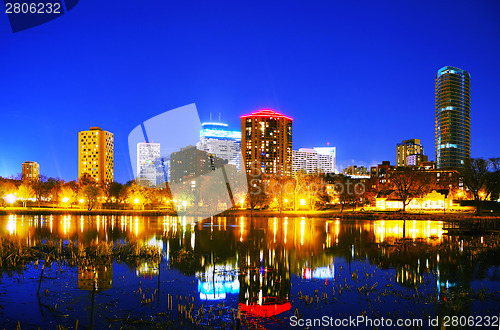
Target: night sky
(359, 75)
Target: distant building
(312, 161)
(31, 171)
(409, 148)
(452, 117)
(191, 162)
(150, 167)
(379, 174)
(95, 154)
(354, 170)
(415, 160)
(266, 142)
(218, 140)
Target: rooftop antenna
(219, 117)
(210, 117)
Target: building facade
(313, 161)
(218, 140)
(409, 148)
(191, 162)
(150, 171)
(96, 154)
(31, 171)
(452, 117)
(266, 142)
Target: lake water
(272, 272)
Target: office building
(218, 140)
(31, 171)
(408, 148)
(191, 162)
(452, 117)
(150, 169)
(95, 154)
(314, 161)
(266, 142)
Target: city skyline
(359, 76)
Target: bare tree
(409, 183)
(475, 173)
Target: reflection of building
(95, 154)
(452, 117)
(31, 171)
(190, 162)
(410, 153)
(216, 282)
(267, 142)
(312, 161)
(100, 274)
(217, 140)
(150, 166)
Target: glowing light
(302, 201)
(10, 198)
(267, 113)
(65, 199)
(137, 200)
(184, 203)
(81, 200)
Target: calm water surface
(264, 269)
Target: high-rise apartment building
(452, 117)
(95, 154)
(408, 148)
(314, 161)
(31, 171)
(218, 140)
(266, 142)
(150, 171)
(190, 163)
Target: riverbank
(328, 214)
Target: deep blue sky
(357, 74)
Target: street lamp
(136, 201)
(10, 199)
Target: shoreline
(330, 214)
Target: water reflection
(253, 264)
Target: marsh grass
(15, 253)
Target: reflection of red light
(265, 310)
(267, 113)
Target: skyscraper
(218, 140)
(31, 171)
(149, 169)
(409, 148)
(452, 117)
(95, 154)
(266, 142)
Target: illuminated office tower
(218, 140)
(409, 148)
(266, 142)
(149, 169)
(452, 117)
(31, 171)
(95, 154)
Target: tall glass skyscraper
(452, 117)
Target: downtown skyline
(360, 77)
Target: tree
(475, 175)
(256, 196)
(25, 192)
(409, 183)
(91, 194)
(493, 179)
